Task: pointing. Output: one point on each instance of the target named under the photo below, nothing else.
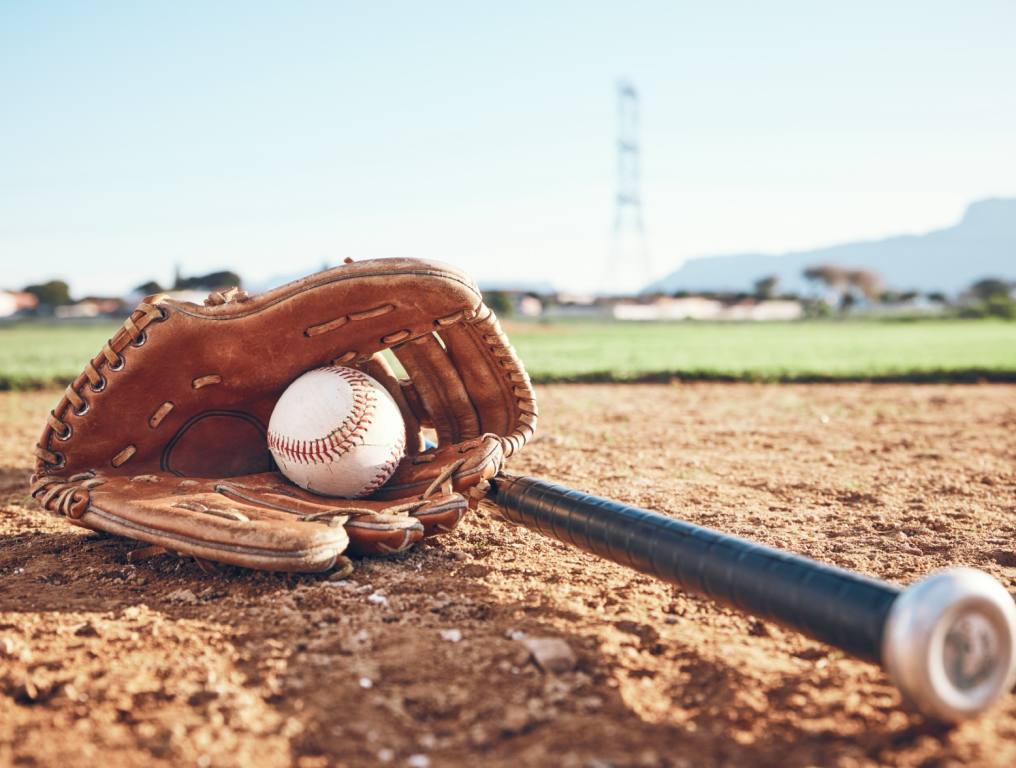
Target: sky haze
(273, 138)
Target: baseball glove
(162, 438)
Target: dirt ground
(420, 660)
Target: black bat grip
(829, 604)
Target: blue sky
(274, 137)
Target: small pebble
(183, 596)
(418, 761)
(427, 741)
(366, 683)
(451, 635)
(341, 583)
(551, 654)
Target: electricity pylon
(629, 268)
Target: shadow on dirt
(314, 648)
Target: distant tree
(55, 293)
(840, 282)
(765, 287)
(500, 302)
(816, 309)
(209, 282)
(890, 297)
(1000, 306)
(990, 297)
(831, 277)
(989, 288)
(149, 288)
(938, 297)
(847, 301)
(866, 282)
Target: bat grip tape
(837, 607)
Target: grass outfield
(42, 354)
(36, 354)
(932, 350)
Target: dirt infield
(420, 660)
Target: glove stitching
(490, 333)
(110, 358)
(331, 325)
(72, 496)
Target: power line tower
(630, 267)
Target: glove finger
(465, 464)
(441, 391)
(441, 514)
(372, 527)
(383, 534)
(192, 518)
(379, 368)
(505, 403)
(255, 521)
(379, 534)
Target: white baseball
(338, 432)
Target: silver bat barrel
(947, 642)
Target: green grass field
(41, 354)
(934, 350)
(33, 355)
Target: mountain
(982, 244)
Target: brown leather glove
(162, 437)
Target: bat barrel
(946, 641)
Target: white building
(15, 301)
(702, 308)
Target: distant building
(12, 302)
(917, 305)
(575, 306)
(703, 308)
(529, 306)
(762, 311)
(667, 308)
(92, 306)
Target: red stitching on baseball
(344, 437)
(386, 469)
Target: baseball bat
(947, 641)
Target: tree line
(57, 293)
(989, 296)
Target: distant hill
(982, 244)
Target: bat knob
(949, 643)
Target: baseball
(337, 432)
